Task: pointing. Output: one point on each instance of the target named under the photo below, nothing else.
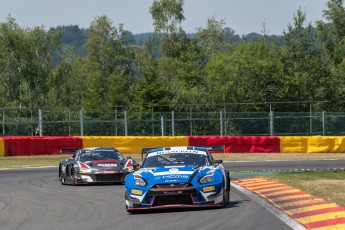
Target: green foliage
(25, 60)
(106, 65)
(212, 38)
(109, 72)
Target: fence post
(69, 122)
(152, 122)
(172, 123)
(271, 123)
(190, 121)
(310, 120)
(126, 123)
(115, 121)
(162, 125)
(40, 121)
(3, 121)
(323, 123)
(81, 120)
(221, 122)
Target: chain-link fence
(110, 121)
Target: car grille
(109, 177)
(171, 200)
(172, 189)
(172, 194)
(170, 186)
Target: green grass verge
(53, 160)
(329, 186)
(37, 161)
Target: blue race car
(177, 177)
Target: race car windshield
(100, 155)
(174, 159)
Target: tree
(151, 90)
(331, 40)
(246, 73)
(167, 18)
(25, 60)
(212, 38)
(110, 75)
(304, 62)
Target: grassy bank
(329, 186)
(53, 160)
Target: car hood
(171, 174)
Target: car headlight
(139, 181)
(84, 170)
(207, 178)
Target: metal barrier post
(310, 120)
(221, 122)
(271, 123)
(3, 121)
(172, 123)
(81, 122)
(40, 121)
(323, 123)
(126, 123)
(162, 125)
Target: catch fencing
(114, 121)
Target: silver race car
(94, 165)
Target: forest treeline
(107, 65)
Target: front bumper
(186, 196)
(117, 177)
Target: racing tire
(73, 179)
(226, 193)
(61, 178)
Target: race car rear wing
(72, 150)
(216, 148)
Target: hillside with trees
(107, 65)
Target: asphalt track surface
(34, 199)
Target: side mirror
(136, 166)
(218, 161)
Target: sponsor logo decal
(109, 172)
(175, 177)
(208, 189)
(173, 170)
(107, 165)
(136, 192)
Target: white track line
(34, 167)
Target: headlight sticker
(136, 192)
(209, 189)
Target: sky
(243, 16)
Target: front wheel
(61, 177)
(73, 178)
(226, 193)
(226, 197)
